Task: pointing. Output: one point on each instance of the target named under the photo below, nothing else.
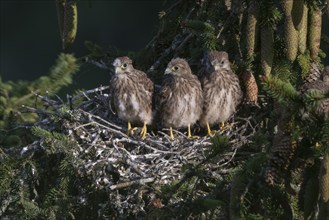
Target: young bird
(221, 90)
(180, 97)
(131, 92)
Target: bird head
(178, 66)
(122, 65)
(217, 60)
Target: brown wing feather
(145, 81)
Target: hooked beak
(167, 71)
(117, 70)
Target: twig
(102, 120)
(85, 93)
(38, 111)
(45, 99)
(175, 43)
(233, 155)
(128, 140)
(130, 183)
(180, 47)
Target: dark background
(30, 42)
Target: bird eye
(222, 62)
(175, 68)
(124, 65)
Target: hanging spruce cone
(251, 88)
(272, 176)
(315, 31)
(282, 152)
(68, 21)
(302, 33)
(291, 34)
(314, 75)
(252, 28)
(291, 39)
(297, 13)
(267, 41)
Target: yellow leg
(222, 125)
(189, 135)
(144, 131)
(209, 130)
(189, 131)
(130, 129)
(171, 133)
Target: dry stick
(187, 38)
(134, 182)
(85, 93)
(144, 145)
(45, 99)
(229, 19)
(102, 120)
(129, 161)
(83, 125)
(233, 155)
(88, 165)
(114, 142)
(38, 111)
(159, 143)
(175, 44)
(100, 64)
(135, 168)
(111, 129)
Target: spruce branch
(279, 90)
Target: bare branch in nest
(134, 182)
(91, 91)
(27, 109)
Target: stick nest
(134, 172)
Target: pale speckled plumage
(180, 97)
(221, 89)
(132, 92)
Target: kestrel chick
(221, 90)
(132, 92)
(180, 97)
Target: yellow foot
(222, 126)
(144, 131)
(189, 135)
(210, 132)
(130, 129)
